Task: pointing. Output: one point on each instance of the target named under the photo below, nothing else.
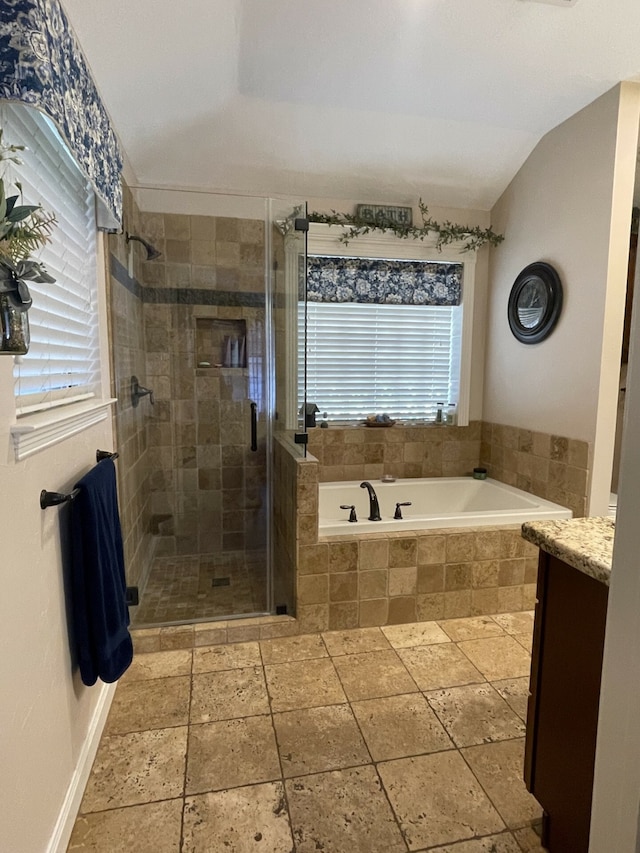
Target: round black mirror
(535, 303)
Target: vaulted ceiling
(376, 100)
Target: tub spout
(374, 508)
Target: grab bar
(254, 426)
(56, 498)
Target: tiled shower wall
(207, 487)
(128, 358)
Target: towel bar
(56, 498)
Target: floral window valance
(338, 279)
(42, 66)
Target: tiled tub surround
(550, 466)
(386, 579)
(355, 452)
(379, 579)
(553, 467)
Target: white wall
(569, 205)
(49, 721)
(615, 811)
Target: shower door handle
(254, 426)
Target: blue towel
(100, 613)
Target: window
(368, 358)
(63, 362)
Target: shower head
(152, 252)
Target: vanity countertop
(584, 543)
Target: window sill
(40, 430)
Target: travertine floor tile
(474, 714)
(515, 623)
(529, 840)
(438, 800)
(344, 811)
(303, 684)
(499, 768)
(498, 657)
(515, 692)
(151, 704)
(471, 628)
(233, 656)
(148, 828)
(399, 726)
(319, 739)
(228, 694)
(242, 820)
(525, 640)
(370, 675)
(355, 640)
(503, 843)
(230, 754)
(414, 634)
(437, 666)
(137, 768)
(158, 665)
(304, 647)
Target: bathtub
(435, 502)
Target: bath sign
(384, 213)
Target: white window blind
(367, 359)
(62, 364)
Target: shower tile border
(183, 295)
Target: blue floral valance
(336, 279)
(42, 66)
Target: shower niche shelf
(221, 344)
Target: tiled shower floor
(181, 588)
(405, 738)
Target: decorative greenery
(447, 232)
(24, 228)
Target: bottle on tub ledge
(451, 415)
(439, 413)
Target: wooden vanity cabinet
(566, 666)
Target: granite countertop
(584, 543)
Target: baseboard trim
(71, 805)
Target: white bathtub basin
(435, 502)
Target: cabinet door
(565, 691)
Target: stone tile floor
(405, 738)
(181, 588)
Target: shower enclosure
(212, 313)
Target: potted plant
(24, 228)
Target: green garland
(448, 232)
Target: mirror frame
(547, 275)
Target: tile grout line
(275, 737)
(186, 759)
